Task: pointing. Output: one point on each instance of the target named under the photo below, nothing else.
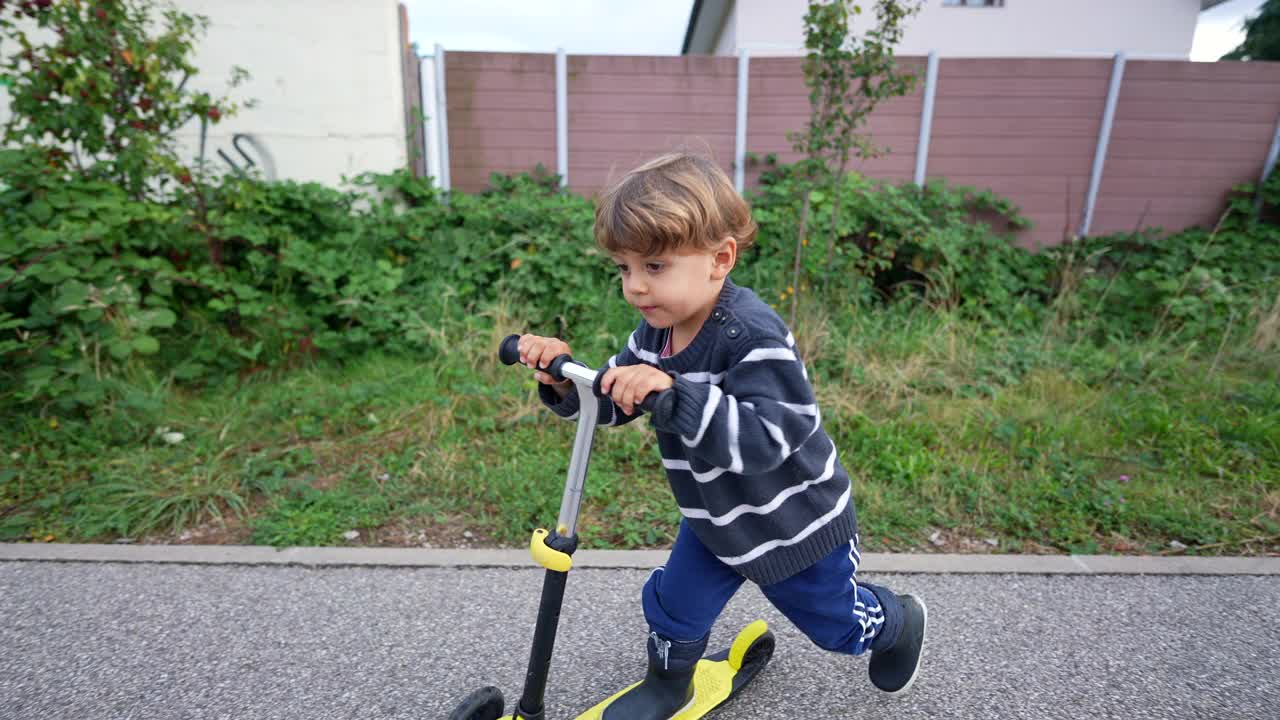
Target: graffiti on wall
(259, 150)
(253, 154)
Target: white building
(1150, 29)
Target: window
(973, 3)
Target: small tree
(105, 97)
(847, 77)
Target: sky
(1219, 30)
(604, 27)
(652, 27)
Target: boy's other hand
(538, 352)
(629, 384)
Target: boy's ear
(724, 258)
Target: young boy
(762, 492)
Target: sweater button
(732, 332)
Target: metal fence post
(740, 139)
(442, 118)
(926, 118)
(1104, 139)
(562, 116)
(1272, 155)
(430, 132)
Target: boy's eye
(622, 269)
(653, 267)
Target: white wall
(1023, 28)
(326, 75)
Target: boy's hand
(629, 384)
(538, 352)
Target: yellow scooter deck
(716, 678)
(712, 685)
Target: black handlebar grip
(556, 368)
(509, 350)
(661, 405)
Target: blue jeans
(683, 598)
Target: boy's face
(675, 289)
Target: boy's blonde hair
(678, 201)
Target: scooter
(716, 678)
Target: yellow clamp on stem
(545, 556)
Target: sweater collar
(691, 358)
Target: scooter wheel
(753, 646)
(760, 651)
(483, 704)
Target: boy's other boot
(667, 687)
(895, 669)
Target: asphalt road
(92, 640)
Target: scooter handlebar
(658, 404)
(509, 354)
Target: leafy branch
(848, 76)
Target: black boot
(668, 685)
(895, 669)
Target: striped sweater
(755, 475)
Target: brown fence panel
(778, 103)
(1184, 134)
(1025, 129)
(624, 110)
(502, 115)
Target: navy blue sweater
(754, 473)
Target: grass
(955, 434)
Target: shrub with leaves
(83, 285)
(951, 245)
(1194, 283)
(262, 275)
(93, 226)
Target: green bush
(523, 238)
(1194, 283)
(84, 285)
(951, 245)
(241, 275)
(93, 203)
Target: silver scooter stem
(589, 411)
(585, 384)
